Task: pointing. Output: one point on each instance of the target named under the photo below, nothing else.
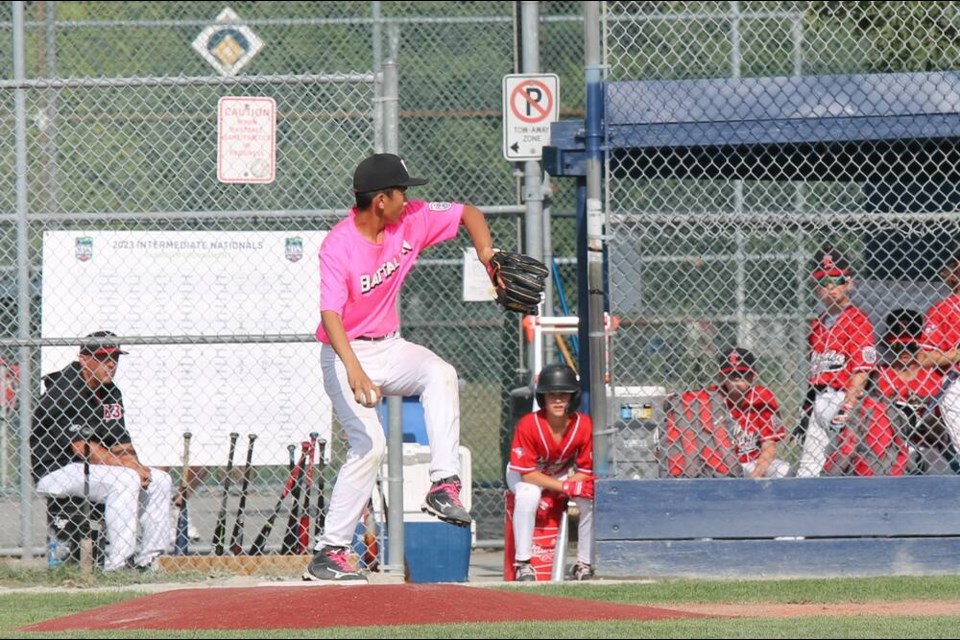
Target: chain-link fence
(781, 179)
(115, 219)
(715, 221)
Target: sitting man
(81, 416)
(726, 430)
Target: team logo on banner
(294, 250)
(83, 248)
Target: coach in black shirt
(83, 407)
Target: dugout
(896, 134)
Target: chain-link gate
(781, 179)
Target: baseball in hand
(369, 398)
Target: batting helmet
(558, 378)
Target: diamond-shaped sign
(228, 45)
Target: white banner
(162, 283)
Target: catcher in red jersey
(842, 355)
(756, 416)
(940, 351)
(547, 445)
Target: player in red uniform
(842, 355)
(756, 415)
(730, 429)
(940, 350)
(912, 389)
(547, 445)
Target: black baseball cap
(904, 326)
(737, 360)
(101, 348)
(383, 171)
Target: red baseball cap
(830, 263)
(737, 360)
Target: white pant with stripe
(130, 512)
(400, 368)
(526, 501)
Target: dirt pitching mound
(317, 606)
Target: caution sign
(246, 140)
(530, 104)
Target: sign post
(530, 104)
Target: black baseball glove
(519, 281)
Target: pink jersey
(361, 280)
(757, 417)
(535, 449)
(941, 326)
(840, 348)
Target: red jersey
(941, 326)
(535, 449)
(924, 385)
(840, 348)
(757, 418)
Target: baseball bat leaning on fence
(371, 545)
(182, 543)
(307, 489)
(256, 549)
(565, 350)
(86, 543)
(291, 539)
(220, 531)
(320, 521)
(236, 538)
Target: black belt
(377, 338)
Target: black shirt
(70, 411)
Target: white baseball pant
(526, 501)
(126, 505)
(820, 432)
(950, 410)
(777, 469)
(399, 368)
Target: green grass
(19, 609)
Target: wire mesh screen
(212, 285)
(781, 180)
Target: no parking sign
(530, 104)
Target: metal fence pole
(23, 278)
(594, 219)
(391, 144)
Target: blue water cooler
(434, 551)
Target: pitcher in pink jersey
(363, 262)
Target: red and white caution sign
(530, 104)
(247, 140)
